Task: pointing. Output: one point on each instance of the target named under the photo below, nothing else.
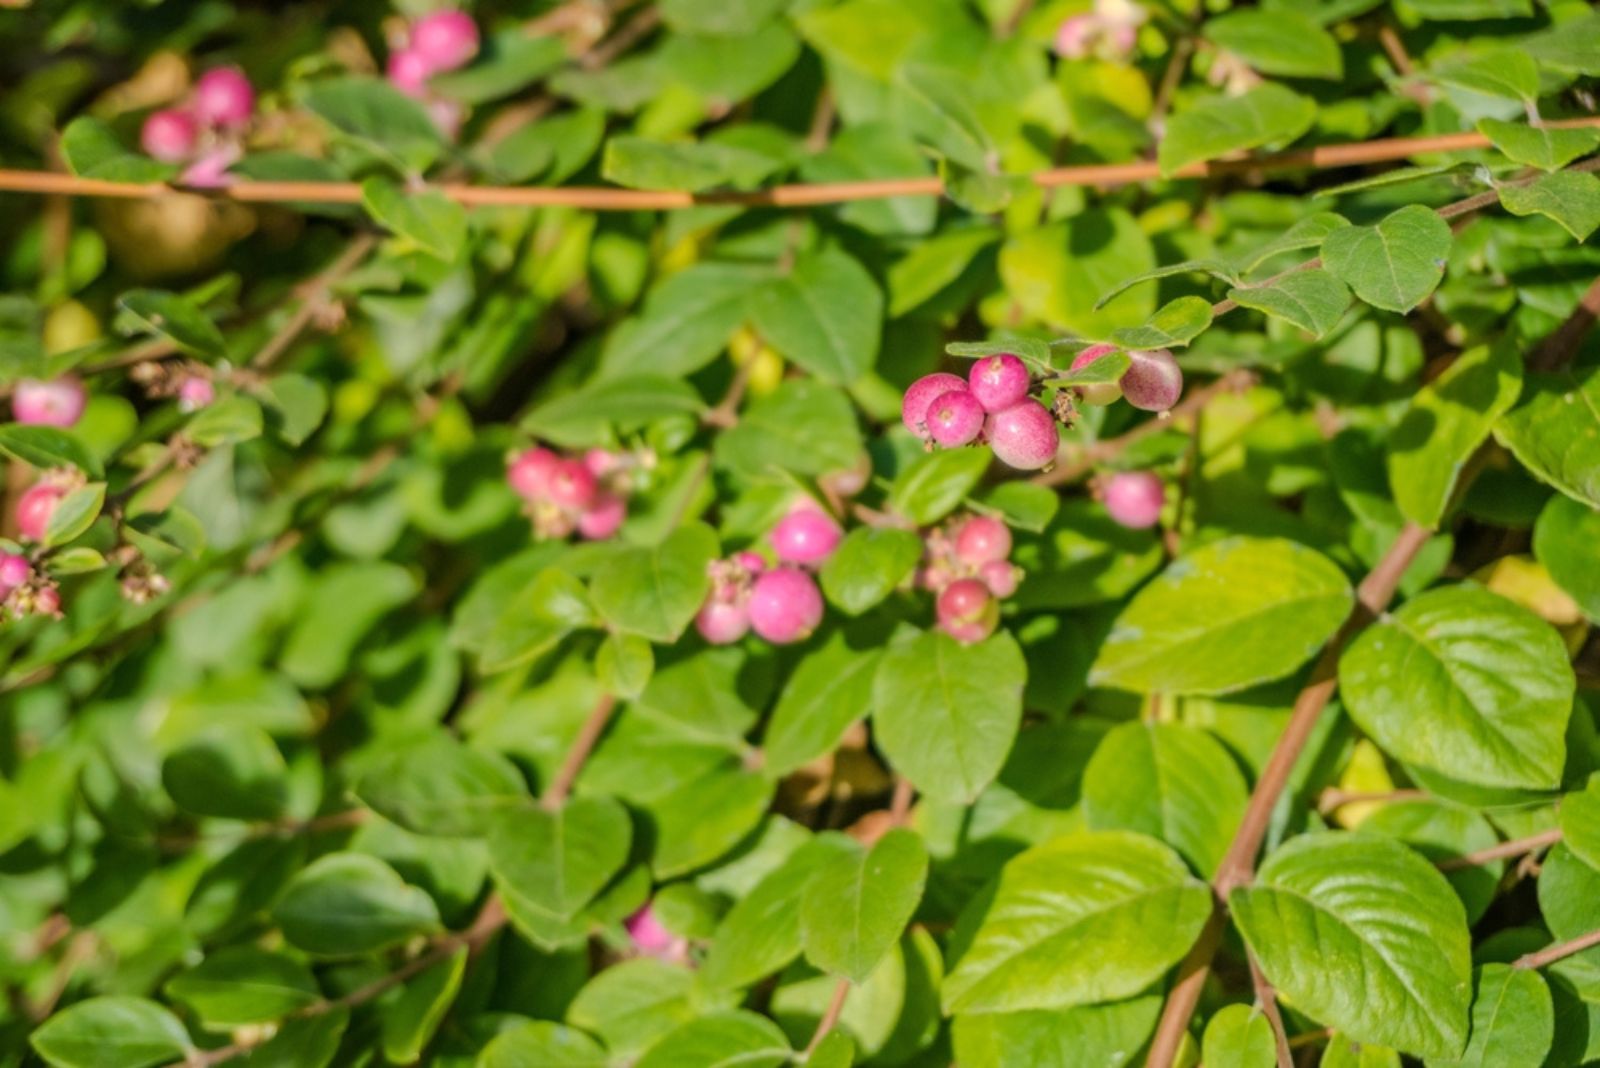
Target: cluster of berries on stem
(207, 130)
(585, 494)
(782, 604)
(434, 44)
(966, 563)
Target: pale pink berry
(849, 481)
(195, 392)
(934, 577)
(1025, 436)
(967, 611)
(785, 605)
(1100, 393)
(445, 40)
(169, 135)
(982, 539)
(722, 622)
(409, 72)
(58, 402)
(530, 472)
(604, 517)
(922, 393)
(806, 535)
(1075, 36)
(998, 381)
(754, 563)
(600, 462)
(35, 507)
(224, 97)
(47, 601)
(955, 418)
(210, 171)
(1153, 381)
(1000, 576)
(1134, 498)
(572, 486)
(14, 571)
(651, 938)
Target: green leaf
(624, 664)
(240, 985)
(111, 1032)
(1108, 1035)
(345, 904)
(542, 1044)
(47, 446)
(1439, 830)
(1028, 349)
(829, 689)
(825, 315)
(935, 483)
(1214, 268)
(225, 421)
(1544, 147)
(1563, 541)
(1228, 615)
(426, 218)
(1513, 1020)
(945, 714)
(588, 415)
(632, 1004)
(78, 560)
(312, 1042)
(1268, 114)
(1306, 233)
(346, 602)
(932, 265)
(232, 772)
(1395, 264)
(1102, 370)
(176, 318)
(509, 61)
(1088, 917)
(1571, 45)
(1170, 782)
(380, 117)
(686, 321)
(1555, 432)
(655, 591)
(439, 786)
(1283, 42)
(410, 1023)
(1580, 822)
(936, 108)
(1055, 273)
(1571, 198)
(555, 862)
(554, 148)
(1467, 683)
(519, 610)
(1447, 420)
(1362, 934)
(91, 150)
(1502, 72)
(1450, 10)
(295, 406)
(74, 514)
(639, 163)
(869, 565)
(1177, 323)
(1312, 300)
(716, 17)
(735, 1039)
(856, 905)
(804, 427)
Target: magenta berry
(998, 381)
(752, 562)
(723, 622)
(47, 602)
(921, 394)
(1105, 392)
(195, 392)
(169, 135)
(59, 402)
(408, 71)
(1000, 576)
(1153, 381)
(806, 535)
(1134, 498)
(224, 97)
(967, 611)
(210, 171)
(530, 473)
(35, 507)
(785, 605)
(651, 938)
(572, 485)
(603, 517)
(955, 418)
(1025, 436)
(601, 462)
(982, 539)
(1075, 36)
(14, 571)
(445, 40)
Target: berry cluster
(1108, 32)
(207, 130)
(587, 494)
(1134, 498)
(781, 604)
(434, 44)
(24, 592)
(991, 405)
(966, 563)
(58, 402)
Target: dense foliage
(750, 532)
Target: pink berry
(998, 381)
(210, 171)
(58, 402)
(1075, 35)
(447, 115)
(35, 507)
(169, 135)
(530, 472)
(922, 393)
(982, 539)
(224, 97)
(600, 462)
(967, 611)
(806, 535)
(722, 622)
(409, 72)
(445, 40)
(785, 605)
(47, 601)
(195, 392)
(1000, 576)
(754, 563)
(1025, 436)
(1102, 393)
(1153, 380)
(651, 938)
(14, 571)
(572, 486)
(603, 517)
(1134, 498)
(955, 418)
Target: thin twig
(1515, 848)
(830, 1016)
(588, 735)
(1559, 951)
(1267, 1002)
(315, 299)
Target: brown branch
(1182, 49)
(588, 735)
(830, 1016)
(1559, 951)
(314, 301)
(1515, 848)
(1267, 1000)
(1560, 345)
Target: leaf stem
(588, 735)
(1559, 951)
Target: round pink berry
(530, 472)
(785, 605)
(1100, 393)
(195, 392)
(1025, 435)
(408, 71)
(1134, 498)
(58, 402)
(998, 381)
(169, 135)
(572, 486)
(722, 622)
(922, 393)
(651, 938)
(967, 611)
(753, 563)
(1075, 36)
(1153, 380)
(47, 601)
(604, 517)
(806, 535)
(210, 171)
(35, 507)
(445, 40)
(1000, 576)
(955, 418)
(14, 571)
(224, 97)
(982, 539)
(600, 462)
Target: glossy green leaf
(410, 1023)
(1395, 264)
(241, 985)
(734, 1039)
(684, 323)
(427, 218)
(1281, 42)
(830, 689)
(1110, 1035)
(1539, 146)
(1239, 1035)
(350, 903)
(1513, 1021)
(46, 447)
(640, 163)
(870, 563)
(1570, 198)
(825, 315)
(1268, 114)
(555, 862)
(655, 591)
(379, 117)
(175, 318)
(1313, 300)
(1175, 325)
(1563, 541)
(232, 772)
(111, 1032)
(1555, 431)
(803, 427)
(1580, 822)
(440, 786)
(74, 514)
(934, 484)
(856, 905)
(542, 1044)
